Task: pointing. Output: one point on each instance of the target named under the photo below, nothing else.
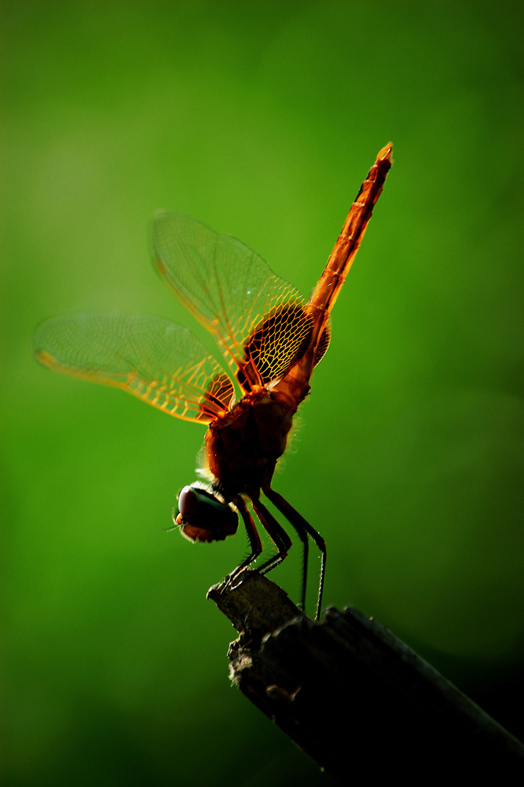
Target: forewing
(233, 293)
(154, 359)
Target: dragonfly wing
(255, 317)
(154, 359)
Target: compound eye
(188, 503)
(203, 516)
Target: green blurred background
(261, 120)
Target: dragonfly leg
(302, 534)
(304, 529)
(277, 533)
(252, 534)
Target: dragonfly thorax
(243, 446)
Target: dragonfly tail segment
(341, 258)
(295, 385)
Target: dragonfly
(270, 339)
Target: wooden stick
(355, 697)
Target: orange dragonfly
(270, 338)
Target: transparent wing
(154, 359)
(258, 320)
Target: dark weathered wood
(353, 696)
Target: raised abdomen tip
(386, 153)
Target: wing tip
(45, 358)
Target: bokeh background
(261, 120)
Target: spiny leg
(301, 525)
(252, 534)
(277, 533)
(305, 557)
(302, 534)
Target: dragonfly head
(203, 515)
